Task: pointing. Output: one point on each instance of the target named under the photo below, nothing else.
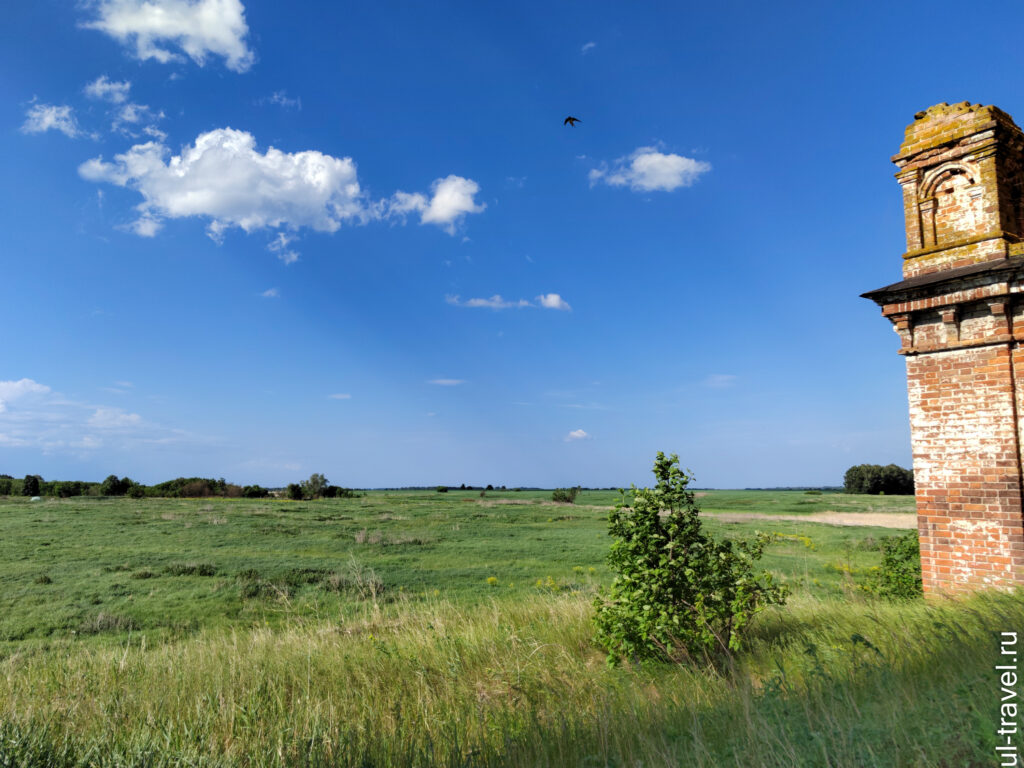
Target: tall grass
(519, 683)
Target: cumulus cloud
(157, 28)
(447, 382)
(47, 117)
(270, 293)
(104, 89)
(224, 178)
(553, 301)
(495, 302)
(451, 199)
(340, 396)
(576, 434)
(648, 170)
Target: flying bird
(571, 121)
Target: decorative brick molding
(959, 313)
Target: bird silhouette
(571, 121)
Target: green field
(418, 628)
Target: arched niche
(950, 204)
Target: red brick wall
(964, 427)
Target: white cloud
(11, 391)
(495, 302)
(340, 396)
(32, 415)
(647, 170)
(104, 89)
(281, 99)
(270, 293)
(577, 434)
(720, 380)
(447, 382)
(47, 117)
(279, 247)
(223, 177)
(113, 418)
(452, 198)
(588, 46)
(199, 28)
(545, 300)
(553, 301)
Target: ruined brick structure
(959, 313)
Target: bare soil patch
(876, 519)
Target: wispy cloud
(495, 302)
(282, 99)
(588, 46)
(447, 382)
(648, 170)
(270, 293)
(48, 117)
(545, 300)
(104, 89)
(32, 415)
(340, 396)
(577, 434)
(720, 380)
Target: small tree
(565, 495)
(30, 485)
(294, 491)
(314, 487)
(679, 594)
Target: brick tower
(959, 313)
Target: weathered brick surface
(961, 168)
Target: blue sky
(258, 240)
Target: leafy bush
(255, 492)
(5, 486)
(566, 495)
(678, 594)
(293, 491)
(899, 577)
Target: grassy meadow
(419, 628)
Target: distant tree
(565, 495)
(875, 479)
(113, 486)
(5, 486)
(462, 487)
(489, 487)
(255, 492)
(30, 485)
(294, 491)
(442, 489)
(137, 491)
(314, 487)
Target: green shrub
(899, 577)
(565, 495)
(678, 594)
